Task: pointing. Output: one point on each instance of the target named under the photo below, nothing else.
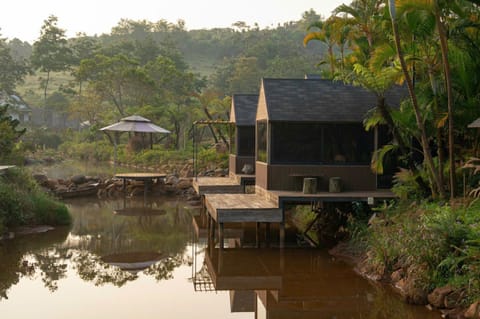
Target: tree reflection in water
(97, 232)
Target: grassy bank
(22, 202)
(422, 247)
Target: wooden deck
(217, 185)
(141, 176)
(239, 208)
(242, 208)
(146, 178)
(233, 184)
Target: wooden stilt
(267, 234)
(214, 226)
(221, 235)
(257, 234)
(282, 234)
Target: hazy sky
(23, 18)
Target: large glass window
(314, 143)
(246, 140)
(347, 143)
(262, 141)
(296, 142)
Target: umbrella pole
(115, 154)
(194, 154)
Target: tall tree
(51, 52)
(118, 79)
(12, 71)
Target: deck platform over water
(268, 206)
(240, 208)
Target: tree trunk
(418, 116)
(448, 80)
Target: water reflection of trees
(30, 256)
(97, 232)
(91, 268)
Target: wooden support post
(221, 235)
(124, 186)
(209, 226)
(282, 234)
(267, 234)
(257, 234)
(214, 226)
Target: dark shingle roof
(245, 107)
(316, 100)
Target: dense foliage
(22, 202)
(10, 134)
(434, 245)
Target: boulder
(184, 183)
(40, 178)
(172, 180)
(397, 275)
(78, 179)
(220, 172)
(454, 299)
(437, 297)
(473, 312)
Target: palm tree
(326, 35)
(437, 185)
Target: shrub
(22, 202)
(442, 244)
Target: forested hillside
(232, 59)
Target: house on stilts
(310, 147)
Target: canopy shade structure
(475, 124)
(135, 123)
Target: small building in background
(17, 108)
(242, 150)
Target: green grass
(31, 90)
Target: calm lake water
(136, 259)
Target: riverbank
(429, 253)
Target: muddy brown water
(118, 263)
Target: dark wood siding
(290, 177)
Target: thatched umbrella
(134, 123)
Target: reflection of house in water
(289, 283)
(300, 283)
